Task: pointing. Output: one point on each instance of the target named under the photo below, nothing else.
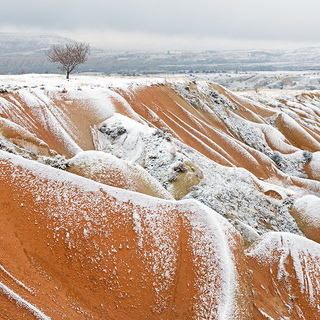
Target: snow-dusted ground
(305, 255)
(22, 302)
(207, 191)
(58, 82)
(166, 158)
(242, 81)
(212, 237)
(309, 209)
(232, 192)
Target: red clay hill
(157, 199)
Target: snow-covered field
(259, 80)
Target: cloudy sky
(170, 24)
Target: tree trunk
(68, 75)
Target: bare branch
(69, 56)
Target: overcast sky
(170, 24)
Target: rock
(306, 212)
(110, 170)
(114, 132)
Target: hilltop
(27, 44)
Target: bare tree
(69, 56)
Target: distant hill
(28, 44)
(26, 53)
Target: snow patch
(21, 302)
(309, 208)
(305, 254)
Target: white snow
(129, 145)
(305, 254)
(293, 125)
(92, 162)
(211, 234)
(315, 165)
(21, 302)
(208, 226)
(56, 82)
(266, 80)
(240, 199)
(278, 140)
(309, 209)
(233, 193)
(13, 278)
(265, 314)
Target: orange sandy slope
(90, 251)
(76, 249)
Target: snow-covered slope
(259, 80)
(102, 252)
(285, 270)
(232, 166)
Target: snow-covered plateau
(159, 198)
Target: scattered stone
(59, 162)
(114, 132)
(180, 167)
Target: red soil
(78, 250)
(75, 244)
(277, 290)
